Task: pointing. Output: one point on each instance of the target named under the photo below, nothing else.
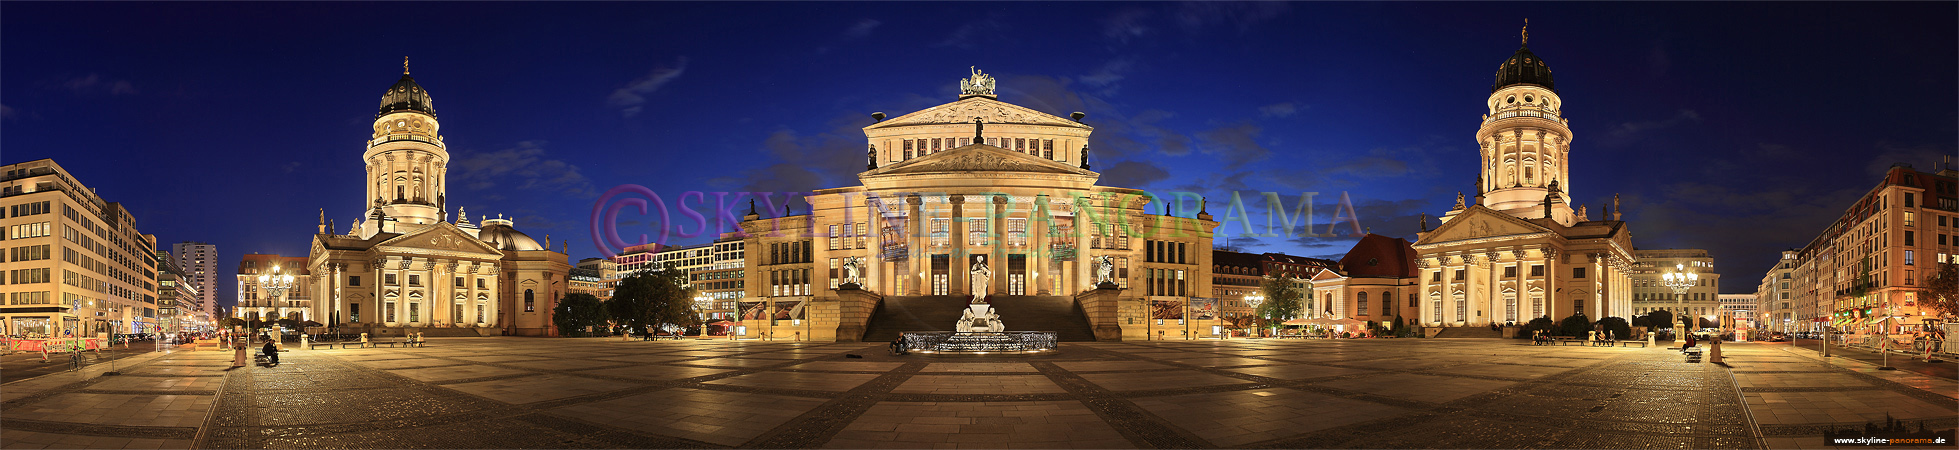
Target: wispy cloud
(861, 29)
(1236, 145)
(973, 34)
(523, 167)
(1286, 109)
(96, 84)
(1626, 133)
(1126, 25)
(631, 99)
(1133, 174)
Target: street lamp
(1680, 280)
(275, 285)
(701, 303)
(1254, 299)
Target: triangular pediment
(978, 158)
(441, 237)
(1479, 222)
(963, 111)
(1326, 275)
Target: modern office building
(75, 263)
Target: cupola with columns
(407, 165)
(1525, 141)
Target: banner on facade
(1203, 308)
(1166, 309)
(789, 309)
(754, 310)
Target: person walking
(238, 353)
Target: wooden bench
(1568, 340)
(1642, 344)
(315, 345)
(378, 344)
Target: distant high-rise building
(75, 263)
(199, 261)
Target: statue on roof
(979, 84)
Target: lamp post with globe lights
(1680, 280)
(1254, 299)
(701, 302)
(275, 285)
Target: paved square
(508, 392)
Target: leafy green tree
(1617, 326)
(231, 322)
(1574, 326)
(653, 298)
(1538, 324)
(577, 311)
(1942, 290)
(1282, 301)
(1660, 319)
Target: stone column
(1079, 277)
(916, 238)
(1041, 254)
(956, 276)
(998, 260)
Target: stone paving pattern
(603, 393)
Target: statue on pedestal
(1105, 269)
(982, 278)
(853, 267)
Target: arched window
(1387, 303)
(1360, 303)
(530, 301)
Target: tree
(1282, 301)
(1660, 319)
(1574, 326)
(577, 311)
(232, 322)
(1617, 326)
(1538, 324)
(653, 298)
(1941, 290)
(1642, 321)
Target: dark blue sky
(1742, 128)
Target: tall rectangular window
(1047, 149)
(833, 237)
(1578, 272)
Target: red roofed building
(1376, 282)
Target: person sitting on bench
(271, 353)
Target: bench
(415, 343)
(1569, 341)
(1642, 344)
(315, 345)
(378, 344)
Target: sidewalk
(1794, 395)
(160, 400)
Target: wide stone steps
(899, 314)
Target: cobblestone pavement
(603, 393)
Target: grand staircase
(939, 313)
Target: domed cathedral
(1517, 249)
(406, 267)
(973, 198)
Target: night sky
(1743, 128)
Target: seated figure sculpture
(980, 319)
